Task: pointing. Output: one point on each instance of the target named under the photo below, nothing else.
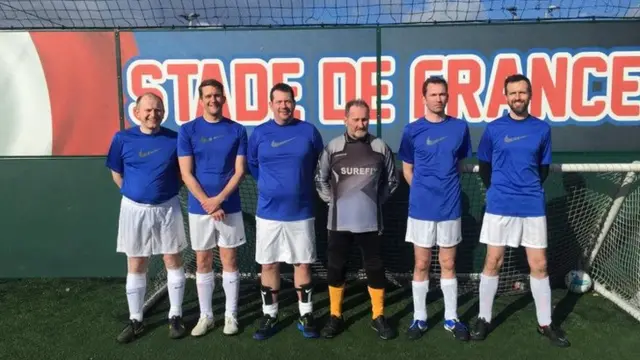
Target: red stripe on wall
(80, 69)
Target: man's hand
(218, 215)
(212, 204)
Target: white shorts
(145, 230)
(291, 242)
(498, 230)
(207, 233)
(427, 234)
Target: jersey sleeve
(184, 142)
(242, 144)
(465, 150)
(323, 174)
(114, 156)
(390, 180)
(252, 153)
(405, 152)
(545, 151)
(485, 147)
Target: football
(578, 281)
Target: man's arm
(190, 181)
(405, 153)
(390, 182)
(114, 160)
(323, 174)
(117, 178)
(252, 155)
(485, 153)
(235, 180)
(485, 173)
(407, 172)
(545, 156)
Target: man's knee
(137, 265)
(228, 259)
(270, 268)
(447, 260)
(204, 260)
(172, 261)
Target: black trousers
(370, 244)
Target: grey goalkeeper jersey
(355, 177)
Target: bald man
(144, 165)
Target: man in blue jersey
(514, 155)
(356, 175)
(431, 149)
(282, 157)
(211, 151)
(144, 165)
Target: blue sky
(130, 13)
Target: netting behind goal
(593, 223)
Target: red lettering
(250, 91)
(621, 84)
(503, 66)
(332, 108)
(464, 76)
(549, 85)
(423, 67)
(182, 72)
(579, 84)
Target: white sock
(450, 293)
(175, 284)
(488, 289)
(305, 307)
(205, 284)
(136, 287)
(271, 310)
(420, 290)
(231, 286)
(541, 291)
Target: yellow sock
(377, 302)
(335, 299)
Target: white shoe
(230, 325)
(204, 324)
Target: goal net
(593, 223)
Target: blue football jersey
(516, 149)
(435, 149)
(148, 164)
(283, 159)
(214, 148)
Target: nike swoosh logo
(508, 139)
(145, 154)
(435, 141)
(277, 144)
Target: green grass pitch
(79, 319)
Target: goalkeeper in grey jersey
(356, 174)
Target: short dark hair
(434, 80)
(516, 78)
(210, 82)
(356, 102)
(284, 88)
